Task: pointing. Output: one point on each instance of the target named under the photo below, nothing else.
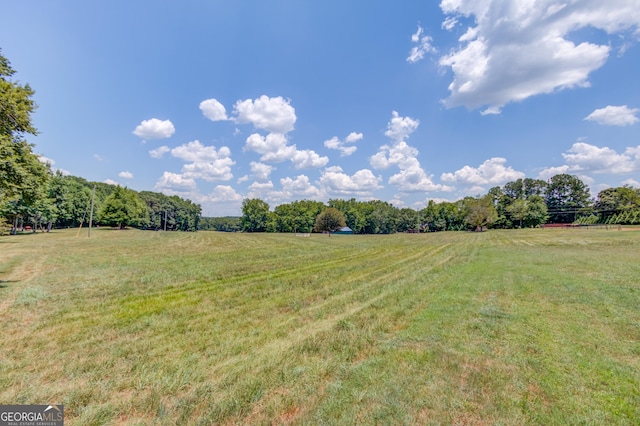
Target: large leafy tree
(22, 176)
(124, 208)
(298, 216)
(16, 104)
(480, 212)
(566, 197)
(255, 215)
(329, 220)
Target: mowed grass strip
(133, 327)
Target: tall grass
(517, 327)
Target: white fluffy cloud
(159, 152)
(126, 175)
(205, 162)
(399, 128)
(615, 115)
(422, 46)
(345, 150)
(491, 172)
(273, 147)
(175, 183)
(308, 159)
(361, 183)
(300, 188)
(261, 171)
(260, 190)
(223, 193)
(632, 182)
(583, 158)
(519, 49)
(275, 115)
(411, 177)
(213, 110)
(550, 172)
(154, 129)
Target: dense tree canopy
(23, 178)
(566, 197)
(123, 208)
(480, 212)
(255, 215)
(16, 103)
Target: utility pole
(93, 193)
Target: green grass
(502, 327)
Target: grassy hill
(507, 327)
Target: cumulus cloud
(361, 183)
(422, 46)
(632, 182)
(399, 128)
(354, 137)
(345, 150)
(307, 159)
(205, 162)
(520, 49)
(213, 110)
(260, 190)
(411, 176)
(491, 172)
(223, 193)
(273, 147)
(175, 183)
(111, 182)
(583, 158)
(275, 115)
(261, 171)
(159, 152)
(615, 115)
(126, 175)
(154, 129)
(550, 172)
(299, 187)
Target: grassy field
(502, 327)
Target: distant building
(344, 230)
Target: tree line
(32, 195)
(65, 201)
(524, 203)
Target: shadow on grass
(4, 283)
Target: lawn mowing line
(249, 312)
(199, 286)
(310, 330)
(342, 297)
(200, 289)
(281, 346)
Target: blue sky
(285, 100)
